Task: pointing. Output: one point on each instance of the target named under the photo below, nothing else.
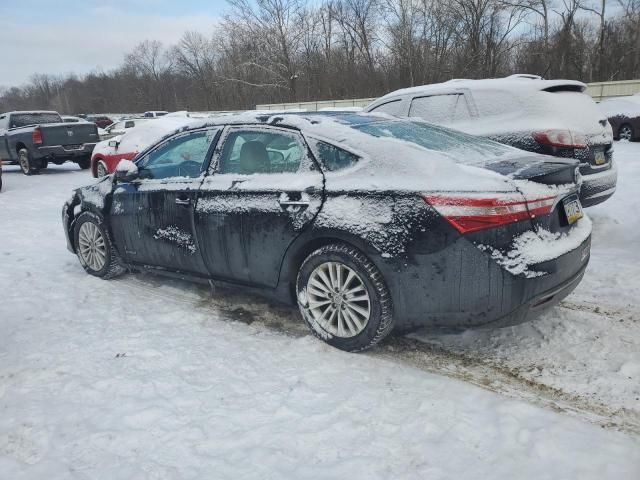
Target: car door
(264, 190)
(152, 215)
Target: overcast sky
(63, 36)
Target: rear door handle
(183, 201)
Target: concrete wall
(599, 91)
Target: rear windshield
(24, 119)
(437, 138)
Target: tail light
(560, 138)
(36, 137)
(472, 212)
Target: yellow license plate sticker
(572, 209)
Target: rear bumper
(463, 287)
(598, 187)
(60, 151)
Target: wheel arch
(307, 243)
(20, 146)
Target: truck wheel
(84, 163)
(94, 248)
(26, 164)
(343, 298)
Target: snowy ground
(144, 377)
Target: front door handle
(183, 201)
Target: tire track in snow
(229, 304)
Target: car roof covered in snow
(514, 83)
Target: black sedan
(368, 223)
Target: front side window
(183, 156)
(129, 124)
(247, 152)
(440, 109)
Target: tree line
(268, 51)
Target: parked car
(33, 139)
(126, 146)
(121, 126)
(624, 116)
(101, 121)
(155, 113)
(71, 119)
(367, 223)
(554, 117)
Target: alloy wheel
(91, 246)
(101, 170)
(625, 132)
(338, 299)
(24, 163)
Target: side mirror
(114, 143)
(126, 171)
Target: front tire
(94, 248)
(101, 169)
(26, 162)
(343, 298)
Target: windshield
(469, 149)
(23, 119)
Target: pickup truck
(33, 139)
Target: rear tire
(343, 298)
(94, 248)
(26, 163)
(84, 163)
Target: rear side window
(23, 119)
(392, 108)
(493, 102)
(129, 124)
(440, 109)
(334, 158)
(248, 152)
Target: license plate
(572, 208)
(600, 158)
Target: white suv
(553, 117)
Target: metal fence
(598, 90)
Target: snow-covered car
(72, 119)
(155, 113)
(624, 116)
(367, 223)
(120, 127)
(553, 117)
(132, 140)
